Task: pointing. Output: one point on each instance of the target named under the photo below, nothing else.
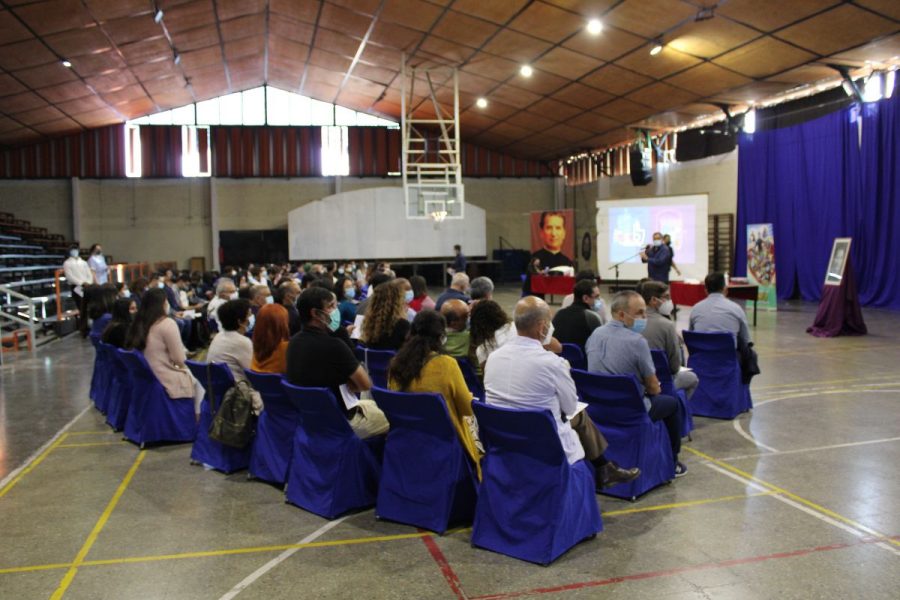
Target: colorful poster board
(761, 263)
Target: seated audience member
(522, 374)
(421, 300)
(618, 348)
(138, 287)
(122, 315)
(661, 335)
(270, 340)
(289, 291)
(385, 326)
(318, 358)
(456, 315)
(458, 288)
(406, 292)
(575, 323)
(100, 305)
(534, 268)
(717, 313)
(489, 328)
(260, 295)
(231, 345)
(375, 281)
(481, 288)
(346, 290)
(225, 291)
(187, 297)
(156, 335)
(599, 308)
(422, 366)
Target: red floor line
(675, 571)
(446, 570)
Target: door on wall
(259, 246)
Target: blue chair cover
(713, 357)
(206, 451)
(472, 381)
(332, 470)
(376, 363)
(111, 378)
(617, 408)
(117, 408)
(100, 376)
(271, 454)
(152, 415)
(426, 479)
(667, 383)
(575, 355)
(532, 505)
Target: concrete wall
(44, 202)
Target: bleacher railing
(15, 316)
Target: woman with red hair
(270, 340)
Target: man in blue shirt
(459, 285)
(618, 348)
(717, 313)
(658, 258)
(459, 263)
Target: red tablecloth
(555, 285)
(689, 294)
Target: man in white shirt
(78, 274)
(225, 291)
(522, 374)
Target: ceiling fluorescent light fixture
(656, 48)
(873, 89)
(595, 26)
(889, 80)
(67, 64)
(526, 71)
(158, 16)
(750, 121)
(481, 103)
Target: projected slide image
(631, 229)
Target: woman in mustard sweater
(422, 366)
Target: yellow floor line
(95, 432)
(215, 553)
(687, 503)
(98, 527)
(809, 504)
(801, 384)
(33, 464)
(89, 444)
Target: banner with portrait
(553, 238)
(761, 263)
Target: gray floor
(797, 500)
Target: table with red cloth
(689, 294)
(554, 285)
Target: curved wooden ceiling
(585, 92)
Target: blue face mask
(639, 325)
(408, 296)
(160, 284)
(270, 300)
(598, 305)
(252, 322)
(335, 321)
(350, 293)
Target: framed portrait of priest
(840, 254)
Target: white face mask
(666, 308)
(233, 296)
(270, 300)
(126, 293)
(73, 253)
(549, 337)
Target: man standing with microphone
(658, 257)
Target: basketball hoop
(438, 216)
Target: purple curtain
(815, 182)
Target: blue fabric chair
(113, 379)
(714, 359)
(575, 355)
(616, 406)
(117, 408)
(275, 429)
(100, 376)
(472, 381)
(332, 470)
(426, 479)
(216, 381)
(532, 505)
(376, 363)
(667, 384)
(152, 415)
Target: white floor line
(859, 531)
(749, 437)
(12, 474)
(249, 579)
(814, 449)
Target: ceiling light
(158, 16)
(481, 103)
(889, 81)
(595, 26)
(67, 64)
(526, 71)
(657, 48)
(873, 90)
(177, 58)
(750, 121)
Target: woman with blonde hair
(385, 326)
(271, 335)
